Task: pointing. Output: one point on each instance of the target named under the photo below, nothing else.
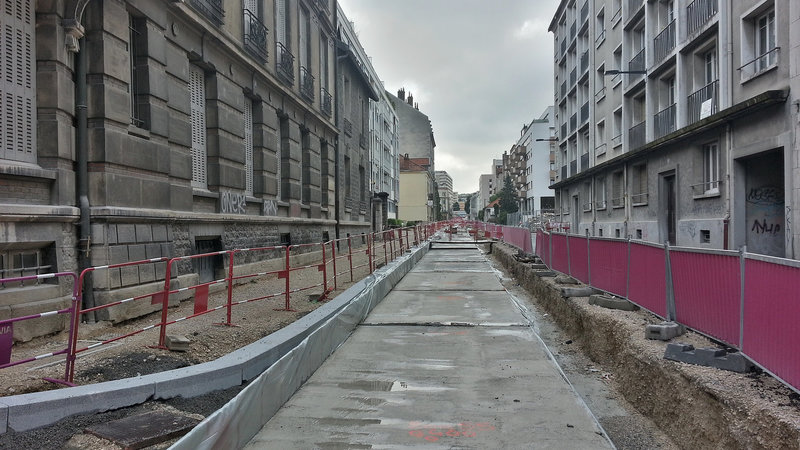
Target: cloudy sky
(479, 69)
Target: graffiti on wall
(270, 208)
(232, 203)
(766, 219)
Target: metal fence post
(671, 312)
(628, 271)
(550, 244)
(588, 257)
(569, 257)
(742, 261)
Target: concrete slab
(452, 266)
(449, 281)
(447, 307)
(449, 387)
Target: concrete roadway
(446, 360)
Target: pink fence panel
(647, 279)
(541, 245)
(609, 262)
(707, 297)
(771, 310)
(518, 237)
(579, 258)
(559, 257)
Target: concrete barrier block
(29, 411)
(177, 343)
(565, 279)
(664, 331)
(196, 380)
(3, 418)
(544, 273)
(538, 266)
(612, 302)
(583, 291)
(708, 357)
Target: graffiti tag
(270, 208)
(232, 203)
(762, 227)
(767, 195)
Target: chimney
(416, 106)
(401, 94)
(410, 99)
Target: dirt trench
(696, 407)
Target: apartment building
(444, 184)
(145, 129)
(536, 138)
(515, 165)
(676, 121)
(416, 201)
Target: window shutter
(17, 82)
(280, 25)
(198, 120)
(248, 146)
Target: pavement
(446, 360)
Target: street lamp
(631, 72)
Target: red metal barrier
(771, 309)
(579, 258)
(559, 256)
(647, 278)
(7, 327)
(709, 303)
(609, 265)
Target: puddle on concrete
(345, 422)
(402, 386)
(368, 401)
(368, 385)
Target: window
(616, 139)
(282, 24)
(23, 262)
(305, 167)
(639, 187)
(617, 190)
(17, 82)
(710, 66)
(197, 98)
(705, 236)
(600, 138)
(765, 40)
(324, 171)
(248, 145)
(323, 61)
(283, 158)
(711, 168)
(600, 193)
(137, 28)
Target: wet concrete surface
(446, 360)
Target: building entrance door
(765, 212)
(670, 208)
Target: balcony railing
(639, 199)
(348, 127)
(585, 61)
(664, 121)
(600, 149)
(616, 141)
(760, 64)
(634, 6)
(664, 42)
(255, 36)
(706, 188)
(573, 122)
(600, 94)
(573, 167)
(306, 84)
(704, 102)
(573, 76)
(618, 202)
(637, 63)
(212, 9)
(285, 64)
(563, 172)
(326, 102)
(585, 112)
(584, 161)
(637, 135)
(587, 207)
(699, 12)
(600, 204)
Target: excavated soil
(697, 407)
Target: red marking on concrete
(464, 429)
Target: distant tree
(480, 215)
(456, 206)
(467, 206)
(508, 197)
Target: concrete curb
(28, 411)
(709, 357)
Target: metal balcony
(326, 102)
(600, 94)
(601, 35)
(637, 136)
(284, 64)
(760, 64)
(708, 93)
(664, 121)
(636, 64)
(255, 36)
(348, 127)
(212, 9)
(306, 84)
(664, 42)
(699, 12)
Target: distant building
(444, 184)
(416, 190)
(539, 144)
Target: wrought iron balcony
(600, 204)
(285, 64)
(664, 121)
(639, 199)
(635, 65)
(637, 135)
(699, 12)
(587, 207)
(306, 84)
(664, 42)
(326, 102)
(348, 127)
(255, 36)
(212, 9)
(618, 202)
(708, 93)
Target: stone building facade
(149, 128)
(677, 121)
